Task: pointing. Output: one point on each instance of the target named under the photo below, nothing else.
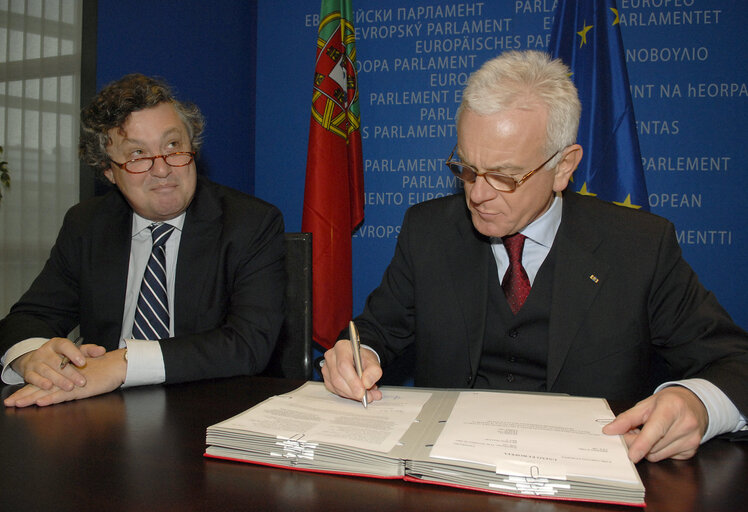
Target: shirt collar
(140, 223)
(543, 229)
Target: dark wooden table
(142, 449)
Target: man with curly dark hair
(170, 277)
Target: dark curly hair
(113, 105)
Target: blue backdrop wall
(206, 51)
(249, 65)
(688, 80)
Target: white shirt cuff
(723, 415)
(9, 376)
(367, 347)
(145, 363)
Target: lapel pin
(594, 278)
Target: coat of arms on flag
(335, 98)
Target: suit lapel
(470, 283)
(110, 257)
(577, 278)
(200, 236)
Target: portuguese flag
(334, 190)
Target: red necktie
(516, 284)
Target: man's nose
(481, 191)
(160, 168)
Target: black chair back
(292, 358)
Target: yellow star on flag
(583, 34)
(583, 191)
(617, 20)
(627, 203)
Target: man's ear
(109, 174)
(572, 155)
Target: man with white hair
(517, 284)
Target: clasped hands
(668, 424)
(91, 371)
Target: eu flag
(586, 36)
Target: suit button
(510, 378)
(469, 379)
(513, 333)
(512, 359)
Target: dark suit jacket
(623, 299)
(229, 285)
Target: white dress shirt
(145, 362)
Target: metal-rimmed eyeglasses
(145, 164)
(498, 181)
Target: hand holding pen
(356, 347)
(352, 371)
(48, 366)
(65, 360)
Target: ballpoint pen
(78, 342)
(356, 346)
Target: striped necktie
(516, 284)
(152, 314)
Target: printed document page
(535, 436)
(312, 414)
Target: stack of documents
(546, 446)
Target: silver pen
(356, 346)
(78, 342)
